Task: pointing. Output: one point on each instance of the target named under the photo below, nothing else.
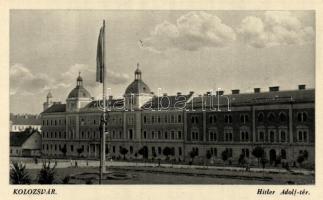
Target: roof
(26, 119)
(164, 102)
(56, 108)
(19, 138)
(97, 105)
(290, 96)
(138, 87)
(79, 92)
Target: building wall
(238, 130)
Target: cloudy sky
(179, 51)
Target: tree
(258, 152)
(167, 152)
(47, 173)
(18, 174)
(123, 151)
(208, 155)
(80, 151)
(264, 161)
(193, 153)
(63, 150)
(225, 155)
(143, 152)
(242, 159)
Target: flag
(100, 57)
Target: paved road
(91, 163)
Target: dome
(79, 92)
(138, 87)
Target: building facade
(25, 144)
(282, 123)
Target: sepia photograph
(185, 97)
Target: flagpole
(102, 160)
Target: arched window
(271, 117)
(272, 136)
(282, 116)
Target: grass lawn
(158, 175)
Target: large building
(25, 144)
(21, 122)
(281, 122)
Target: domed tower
(137, 93)
(48, 102)
(78, 97)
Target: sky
(178, 51)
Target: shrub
(18, 174)
(47, 174)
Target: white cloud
(275, 28)
(192, 31)
(25, 82)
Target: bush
(18, 174)
(66, 180)
(47, 174)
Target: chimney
(208, 94)
(274, 89)
(220, 92)
(235, 91)
(165, 94)
(256, 90)
(179, 93)
(110, 97)
(191, 92)
(301, 87)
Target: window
(302, 116)
(113, 149)
(282, 117)
(152, 134)
(194, 120)
(159, 135)
(159, 150)
(130, 134)
(195, 135)
(228, 135)
(272, 136)
(271, 117)
(158, 118)
(166, 135)
(214, 152)
(152, 119)
(179, 119)
(213, 135)
(245, 152)
(172, 135)
(131, 150)
(228, 119)
(172, 119)
(261, 136)
(145, 119)
(179, 151)
(145, 134)
(282, 136)
(72, 148)
(212, 119)
(179, 135)
(302, 136)
(244, 118)
(244, 136)
(260, 117)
